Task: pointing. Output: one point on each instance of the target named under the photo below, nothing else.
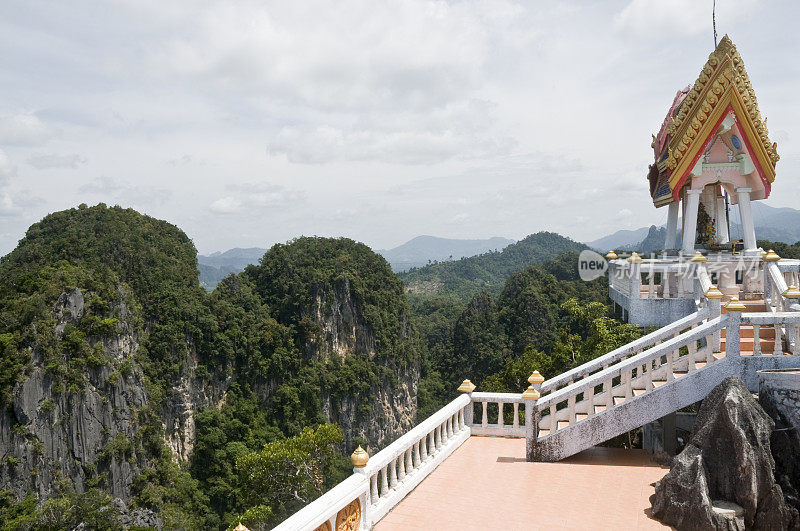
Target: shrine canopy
(714, 134)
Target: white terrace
(654, 376)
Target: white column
(690, 208)
(672, 225)
(748, 229)
(722, 222)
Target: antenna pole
(714, 21)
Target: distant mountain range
(773, 224)
(417, 252)
(488, 271)
(423, 250)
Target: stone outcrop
(724, 478)
(343, 332)
(783, 405)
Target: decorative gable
(720, 107)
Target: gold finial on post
(734, 305)
(530, 394)
(713, 292)
(763, 252)
(535, 378)
(466, 387)
(359, 458)
(240, 527)
(771, 256)
(792, 292)
(634, 258)
(611, 255)
(698, 258)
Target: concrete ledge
(786, 379)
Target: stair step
(599, 409)
(637, 392)
(544, 433)
(618, 400)
(678, 374)
(747, 331)
(699, 364)
(581, 416)
(562, 424)
(658, 383)
(718, 356)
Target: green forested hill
(467, 276)
(183, 405)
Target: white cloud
(226, 205)
(254, 197)
(112, 190)
(24, 129)
(7, 169)
(43, 161)
(662, 18)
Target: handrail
(625, 350)
(325, 507)
(605, 375)
(500, 428)
(770, 318)
(421, 430)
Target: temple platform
(487, 484)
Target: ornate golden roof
(723, 84)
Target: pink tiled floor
(486, 484)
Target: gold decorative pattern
(349, 518)
(324, 526)
(722, 82)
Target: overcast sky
(249, 123)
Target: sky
(249, 123)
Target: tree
(287, 474)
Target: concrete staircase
(666, 375)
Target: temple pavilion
(712, 152)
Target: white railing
(601, 392)
(626, 351)
(785, 324)
(397, 469)
(327, 507)
(500, 428)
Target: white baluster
(401, 467)
(423, 448)
(757, 340)
(485, 416)
(417, 457)
(373, 488)
(500, 421)
(384, 481)
(409, 461)
(393, 474)
(516, 415)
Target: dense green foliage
(467, 276)
(544, 318)
(784, 250)
(256, 349)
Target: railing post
(714, 297)
(636, 275)
(468, 387)
(359, 459)
(531, 395)
(733, 345)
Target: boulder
(724, 478)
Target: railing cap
(634, 258)
(466, 387)
(792, 292)
(535, 378)
(713, 292)
(359, 458)
(698, 257)
(734, 305)
(611, 255)
(531, 394)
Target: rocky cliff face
(342, 332)
(53, 430)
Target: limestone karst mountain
(118, 369)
